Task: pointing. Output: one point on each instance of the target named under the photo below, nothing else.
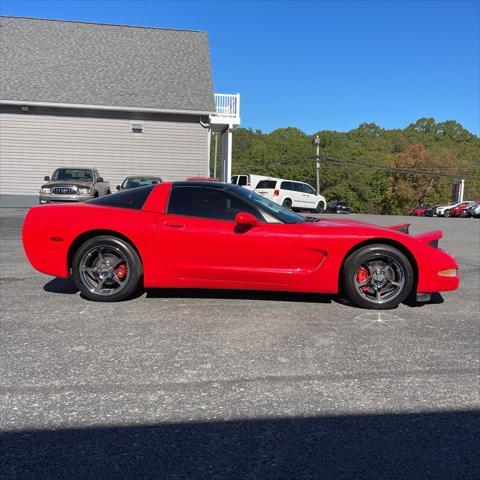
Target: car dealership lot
(199, 384)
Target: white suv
(291, 194)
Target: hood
(70, 183)
(401, 229)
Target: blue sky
(320, 65)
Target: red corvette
(214, 235)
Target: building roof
(76, 63)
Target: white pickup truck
(73, 185)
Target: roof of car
(203, 183)
(144, 176)
(76, 168)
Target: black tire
(111, 247)
(446, 213)
(95, 195)
(287, 203)
(109, 192)
(320, 207)
(463, 213)
(375, 253)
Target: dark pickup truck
(73, 185)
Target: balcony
(227, 109)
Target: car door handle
(174, 225)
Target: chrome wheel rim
(380, 278)
(104, 270)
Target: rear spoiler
(431, 238)
(402, 227)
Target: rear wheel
(106, 269)
(378, 277)
(287, 203)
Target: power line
(408, 171)
(455, 173)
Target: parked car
(138, 181)
(444, 210)
(247, 180)
(430, 212)
(338, 206)
(460, 210)
(474, 210)
(418, 211)
(71, 184)
(217, 235)
(291, 194)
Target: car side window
(242, 180)
(297, 187)
(286, 186)
(234, 179)
(308, 189)
(208, 202)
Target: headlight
(45, 190)
(83, 190)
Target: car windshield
(272, 208)
(72, 174)
(139, 182)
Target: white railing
(227, 105)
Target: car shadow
(415, 446)
(67, 286)
(435, 299)
(263, 295)
(61, 285)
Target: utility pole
(316, 142)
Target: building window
(136, 127)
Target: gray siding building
(126, 100)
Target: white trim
(103, 107)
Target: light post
(316, 141)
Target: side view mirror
(100, 180)
(246, 220)
(46, 178)
(118, 187)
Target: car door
(298, 195)
(200, 244)
(309, 196)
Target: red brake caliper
(362, 276)
(121, 271)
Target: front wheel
(320, 207)
(446, 213)
(378, 277)
(106, 269)
(463, 213)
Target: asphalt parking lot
(197, 384)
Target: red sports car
(418, 211)
(460, 210)
(215, 235)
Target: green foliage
(444, 147)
